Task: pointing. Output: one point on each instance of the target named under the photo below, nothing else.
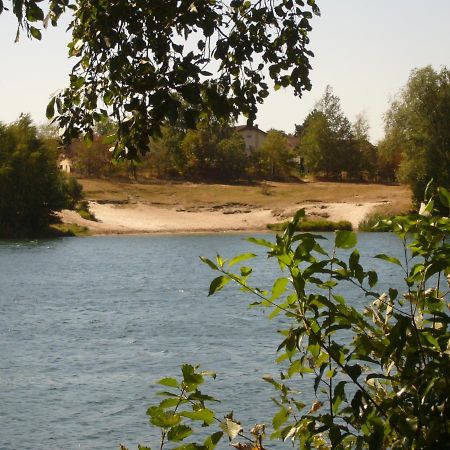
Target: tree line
(326, 144)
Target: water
(87, 325)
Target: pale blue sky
(364, 49)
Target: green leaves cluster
(380, 375)
(183, 406)
(148, 62)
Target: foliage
(366, 157)
(331, 145)
(82, 209)
(417, 124)
(314, 225)
(31, 185)
(66, 229)
(389, 156)
(214, 151)
(166, 158)
(376, 222)
(380, 374)
(275, 156)
(154, 56)
(91, 159)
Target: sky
(364, 49)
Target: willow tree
(149, 61)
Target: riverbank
(132, 208)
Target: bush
(380, 375)
(376, 222)
(31, 185)
(84, 211)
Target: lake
(87, 325)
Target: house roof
(249, 127)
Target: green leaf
(354, 259)
(339, 395)
(171, 402)
(171, 382)
(179, 433)
(261, 242)
(218, 283)
(190, 377)
(35, 33)
(345, 239)
(444, 196)
(280, 417)
(239, 258)
(373, 278)
(161, 418)
(209, 262)
(390, 259)
(205, 415)
(50, 111)
(213, 440)
(279, 287)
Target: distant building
(253, 136)
(65, 164)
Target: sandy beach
(141, 218)
(123, 207)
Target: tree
(136, 60)
(214, 151)
(31, 185)
(317, 145)
(389, 156)
(418, 122)
(326, 139)
(365, 160)
(276, 157)
(166, 158)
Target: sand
(141, 218)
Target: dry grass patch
(281, 195)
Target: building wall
(253, 138)
(65, 165)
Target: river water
(87, 325)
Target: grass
(384, 212)
(84, 212)
(314, 225)
(67, 229)
(282, 195)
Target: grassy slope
(278, 195)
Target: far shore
(132, 208)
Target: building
(65, 164)
(253, 136)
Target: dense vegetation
(31, 185)
(418, 130)
(379, 372)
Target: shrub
(84, 211)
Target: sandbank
(142, 218)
